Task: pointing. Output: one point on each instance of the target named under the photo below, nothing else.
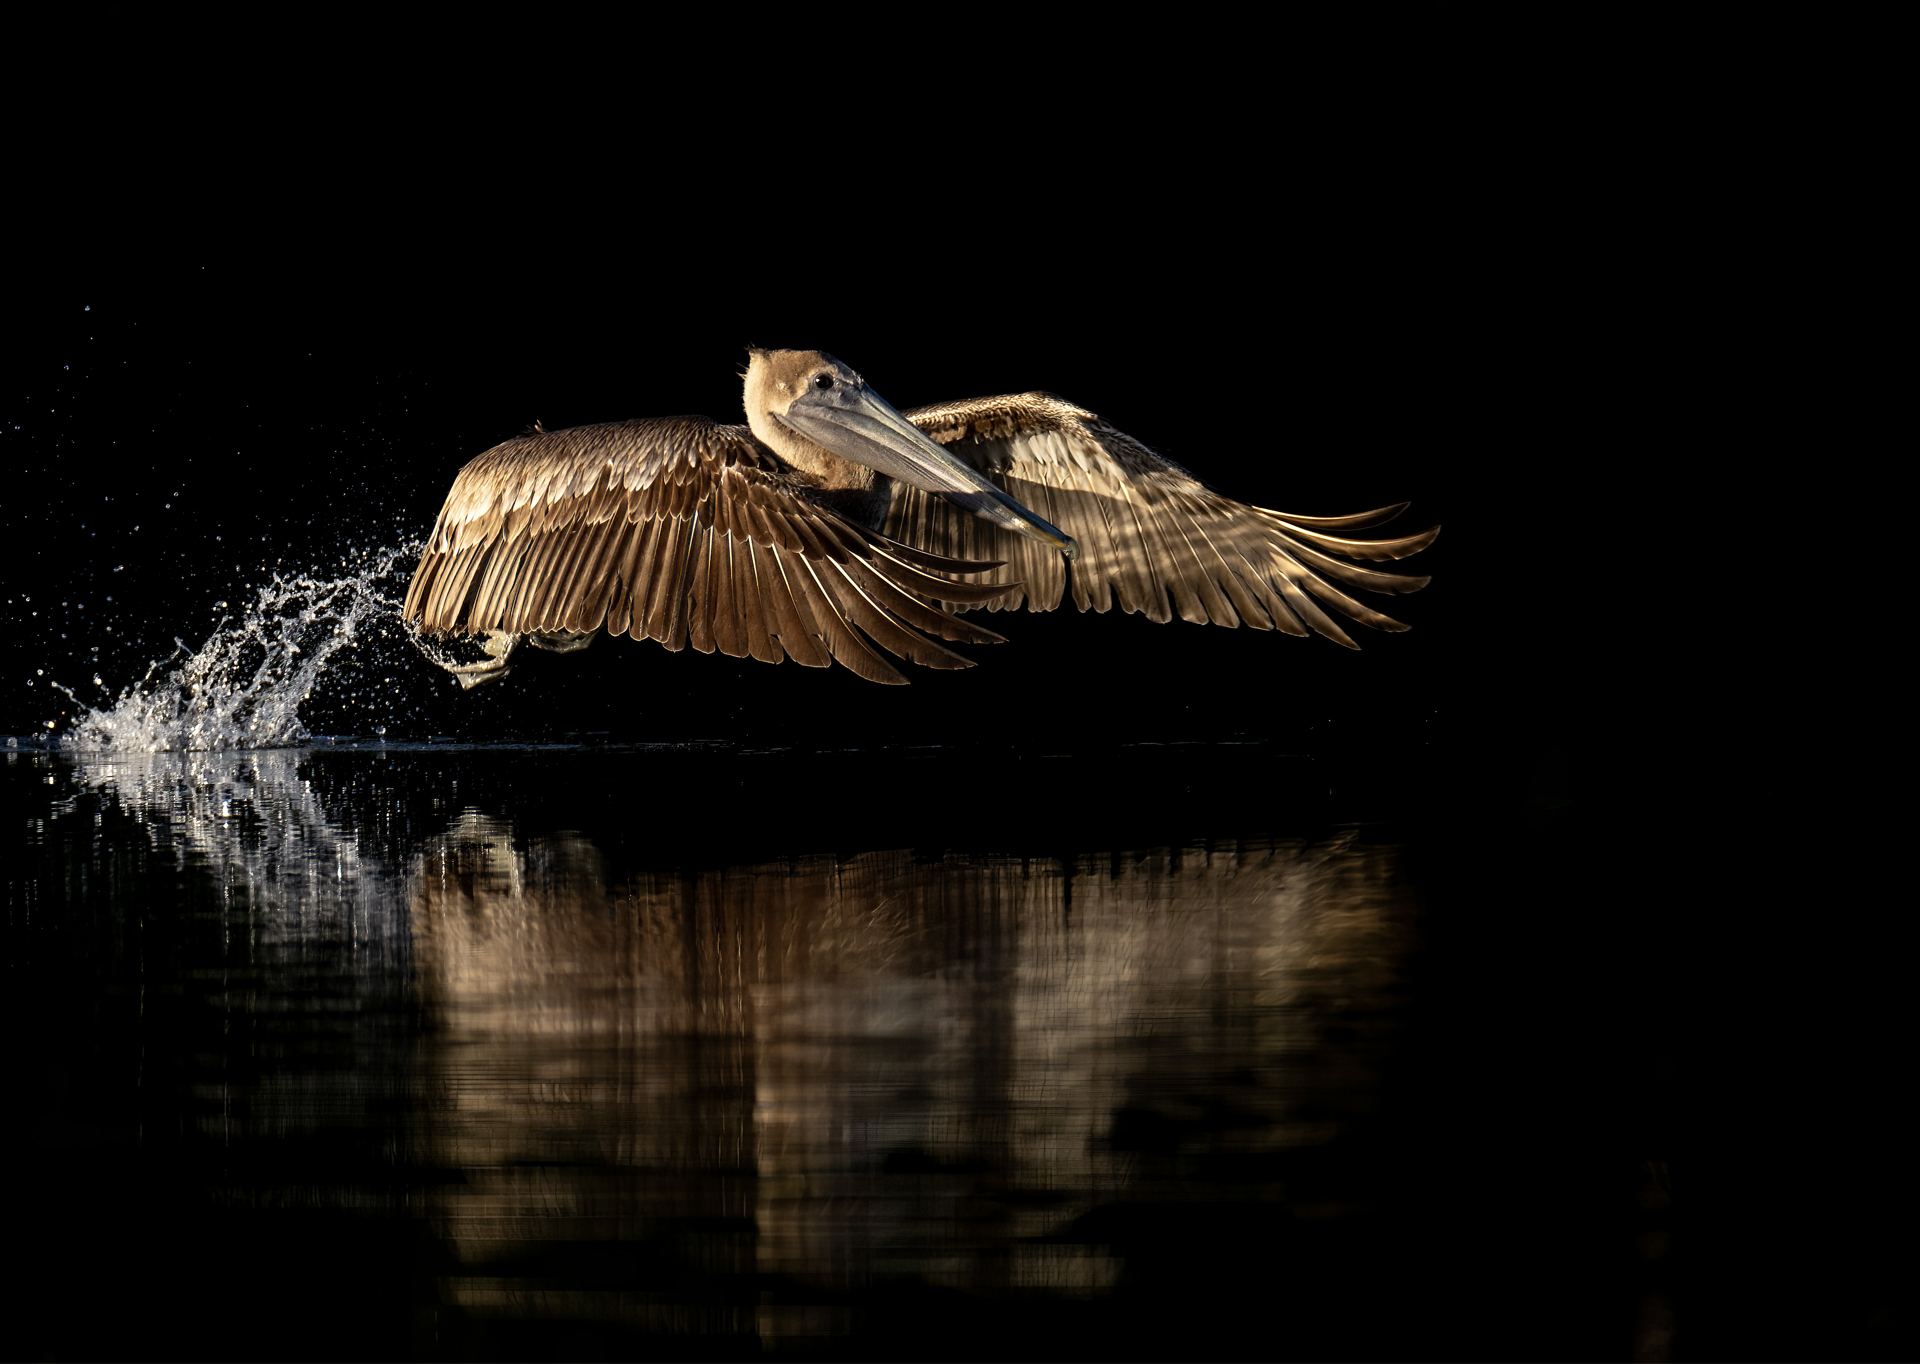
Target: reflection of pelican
(830, 516)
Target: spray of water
(244, 686)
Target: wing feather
(725, 603)
(808, 634)
(763, 631)
(899, 607)
(686, 532)
(841, 639)
(700, 594)
(1152, 538)
(668, 617)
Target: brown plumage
(1148, 531)
(829, 525)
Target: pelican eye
(823, 381)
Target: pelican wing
(686, 532)
(1151, 536)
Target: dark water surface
(489, 1052)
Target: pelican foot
(563, 641)
(500, 647)
(471, 675)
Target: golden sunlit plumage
(831, 523)
(1147, 529)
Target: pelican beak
(858, 424)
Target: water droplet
(243, 688)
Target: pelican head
(801, 403)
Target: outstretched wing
(1152, 537)
(687, 532)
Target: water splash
(244, 686)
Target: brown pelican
(830, 523)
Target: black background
(1488, 277)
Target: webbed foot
(500, 647)
(563, 641)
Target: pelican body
(832, 526)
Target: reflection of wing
(1147, 529)
(683, 531)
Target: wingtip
(1379, 516)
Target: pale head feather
(774, 379)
